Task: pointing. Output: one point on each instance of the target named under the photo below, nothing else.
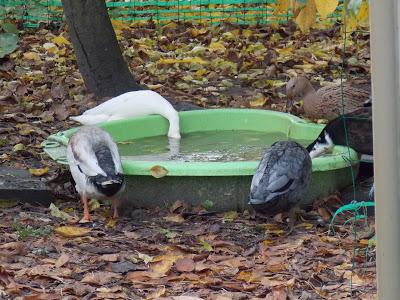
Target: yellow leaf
(188, 60)
(249, 276)
(50, 48)
(281, 7)
(230, 216)
(163, 263)
(39, 172)
(247, 33)
(326, 7)
(307, 226)
(71, 231)
(158, 171)
(157, 294)
(32, 56)
(111, 223)
(217, 46)
(60, 40)
(258, 102)
(119, 25)
(363, 13)
(94, 204)
(175, 218)
(306, 17)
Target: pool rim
(341, 157)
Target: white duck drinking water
(95, 165)
(131, 104)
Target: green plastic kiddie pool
(222, 185)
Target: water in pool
(226, 145)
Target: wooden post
(385, 67)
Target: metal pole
(384, 17)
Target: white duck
(131, 104)
(95, 165)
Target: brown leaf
(62, 260)
(49, 271)
(174, 218)
(100, 278)
(110, 257)
(177, 205)
(61, 112)
(142, 276)
(158, 171)
(132, 235)
(58, 91)
(279, 293)
(185, 265)
(43, 296)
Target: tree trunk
(96, 48)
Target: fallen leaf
(162, 264)
(93, 205)
(60, 40)
(157, 294)
(158, 171)
(278, 293)
(32, 56)
(100, 278)
(56, 212)
(185, 265)
(175, 218)
(144, 257)
(39, 172)
(132, 235)
(206, 245)
(109, 257)
(71, 231)
(49, 271)
(258, 102)
(230, 216)
(62, 260)
(143, 276)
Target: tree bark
(96, 48)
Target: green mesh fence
(34, 12)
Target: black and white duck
(353, 129)
(281, 179)
(95, 165)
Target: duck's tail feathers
(90, 119)
(109, 185)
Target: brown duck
(326, 103)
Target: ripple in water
(205, 146)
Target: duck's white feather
(136, 103)
(83, 161)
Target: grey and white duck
(95, 165)
(281, 179)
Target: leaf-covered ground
(179, 252)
